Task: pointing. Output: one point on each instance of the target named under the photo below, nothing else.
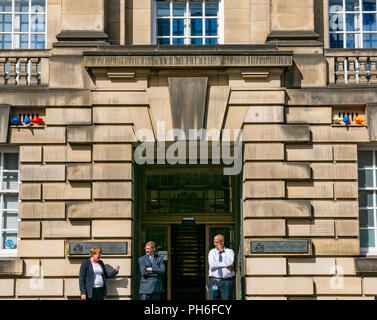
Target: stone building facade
(98, 78)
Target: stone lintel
(81, 38)
(340, 96)
(293, 35)
(43, 96)
(81, 35)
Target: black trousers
(153, 296)
(97, 294)
(224, 289)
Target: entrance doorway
(188, 260)
(184, 249)
(181, 209)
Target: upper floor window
(187, 22)
(353, 23)
(22, 24)
(367, 200)
(8, 202)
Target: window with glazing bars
(188, 191)
(187, 22)
(352, 23)
(23, 24)
(367, 163)
(8, 202)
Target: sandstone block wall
(71, 191)
(300, 182)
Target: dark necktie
(220, 270)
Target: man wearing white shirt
(221, 271)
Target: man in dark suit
(152, 267)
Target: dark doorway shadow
(188, 278)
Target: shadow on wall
(293, 77)
(113, 19)
(116, 286)
(319, 19)
(300, 131)
(372, 120)
(129, 21)
(109, 268)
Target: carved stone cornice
(221, 56)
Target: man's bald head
(219, 237)
(218, 241)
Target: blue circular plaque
(9, 243)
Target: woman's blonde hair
(95, 250)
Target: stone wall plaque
(366, 266)
(80, 248)
(280, 247)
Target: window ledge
(349, 125)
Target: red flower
(37, 120)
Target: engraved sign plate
(164, 255)
(280, 246)
(108, 248)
